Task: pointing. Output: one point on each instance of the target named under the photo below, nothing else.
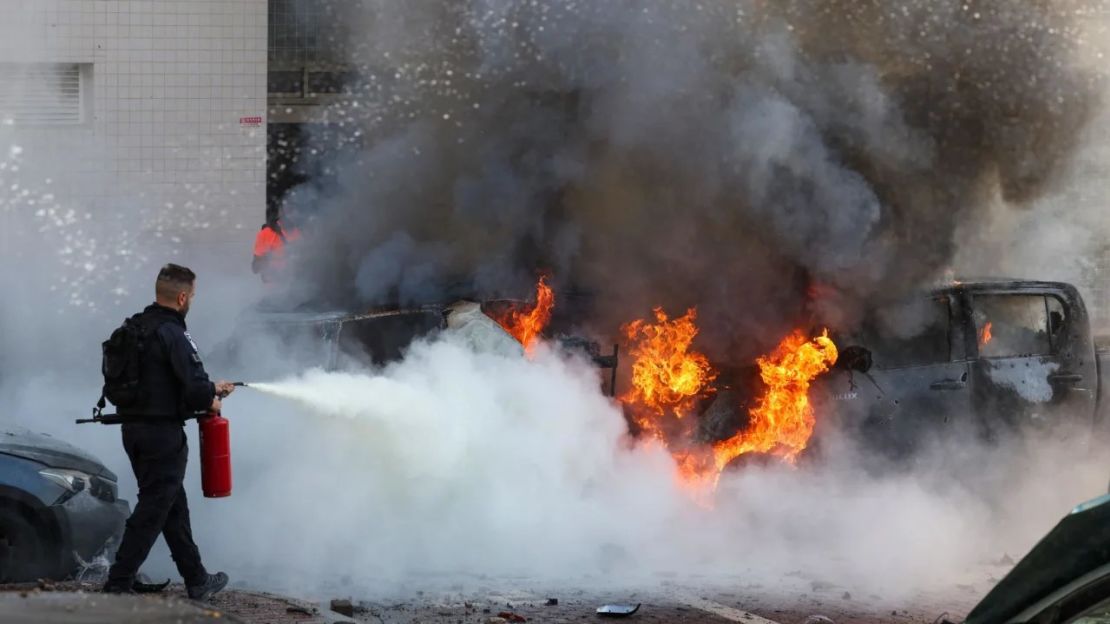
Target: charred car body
(974, 357)
(983, 356)
(334, 339)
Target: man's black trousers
(158, 454)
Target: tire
(24, 554)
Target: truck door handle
(1066, 377)
(948, 384)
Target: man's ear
(182, 298)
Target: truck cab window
(1013, 325)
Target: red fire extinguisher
(215, 455)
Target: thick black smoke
(724, 154)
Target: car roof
(1000, 283)
(344, 316)
(311, 317)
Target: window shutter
(40, 93)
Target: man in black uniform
(175, 388)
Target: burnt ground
(683, 601)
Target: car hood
(41, 448)
(1078, 545)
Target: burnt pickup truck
(980, 356)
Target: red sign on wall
(251, 122)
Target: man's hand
(224, 388)
(216, 405)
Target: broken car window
(1012, 325)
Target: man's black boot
(209, 588)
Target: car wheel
(24, 554)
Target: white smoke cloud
(457, 464)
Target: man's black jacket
(175, 385)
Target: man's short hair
(173, 279)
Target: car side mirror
(854, 358)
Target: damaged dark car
(58, 507)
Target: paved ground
(680, 602)
(82, 607)
(81, 603)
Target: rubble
(343, 607)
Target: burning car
(972, 358)
(377, 336)
(982, 357)
(58, 507)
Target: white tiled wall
(171, 80)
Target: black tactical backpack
(122, 363)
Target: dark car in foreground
(1065, 579)
(58, 507)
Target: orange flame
(985, 335)
(669, 378)
(527, 325)
(666, 375)
(782, 421)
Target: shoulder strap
(149, 325)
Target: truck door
(1035, 361)
(922, 377)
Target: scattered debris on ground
(672, 602)
(343, 607)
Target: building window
(45, 94)
(310, 47)
(309, 32)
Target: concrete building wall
(173, 120)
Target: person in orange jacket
(269, 249)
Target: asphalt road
(679, 601)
